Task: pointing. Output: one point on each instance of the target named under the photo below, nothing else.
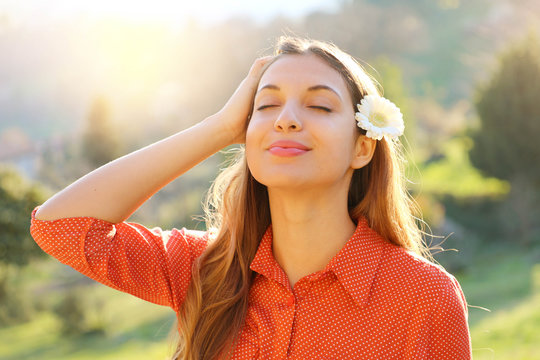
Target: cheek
(341, 146)
(255, 132)
(253, 161)
(252, 139)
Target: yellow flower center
(378, 120)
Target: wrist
(216, 128)
(223, 131)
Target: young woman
(315, 253)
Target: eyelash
(264, 107)
(323, 108)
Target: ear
(363, 151)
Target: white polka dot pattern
(151, 264)
(373, 300)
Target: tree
(506, 144)
(17, 199)
(72, 315)
(100, 143)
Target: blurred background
(83, 82)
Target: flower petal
(376, 110)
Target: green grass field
(506, 282)
(135, 329)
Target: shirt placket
(287, 309)
(297, 296)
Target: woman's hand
(234, 115)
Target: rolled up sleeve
(152, 264)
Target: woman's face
(302, 130)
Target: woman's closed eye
(262, 107)
(315, 107)
(319, 107)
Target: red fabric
(373, 300)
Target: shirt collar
(355, 265)
(264, 262)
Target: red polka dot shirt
(373, 300)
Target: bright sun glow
(157, 10)
(144, 56)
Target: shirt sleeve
(450, 337)
(444, 332)
(152, 264)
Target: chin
(296, 181)
(282, 179)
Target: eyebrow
(311, 88)
(324, 87)
(270, 87)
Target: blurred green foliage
(503, 298)
(135, 329)
(506, 143)
(72, 311)
(18, 198)
(454, 175)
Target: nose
(288, 120)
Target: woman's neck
(309, 228)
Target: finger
(258, 65)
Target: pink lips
(286, 148)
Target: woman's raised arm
(115, 190)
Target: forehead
(303, 70)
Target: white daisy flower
(380, 118)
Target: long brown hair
(237, 206)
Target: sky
(174, 12)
